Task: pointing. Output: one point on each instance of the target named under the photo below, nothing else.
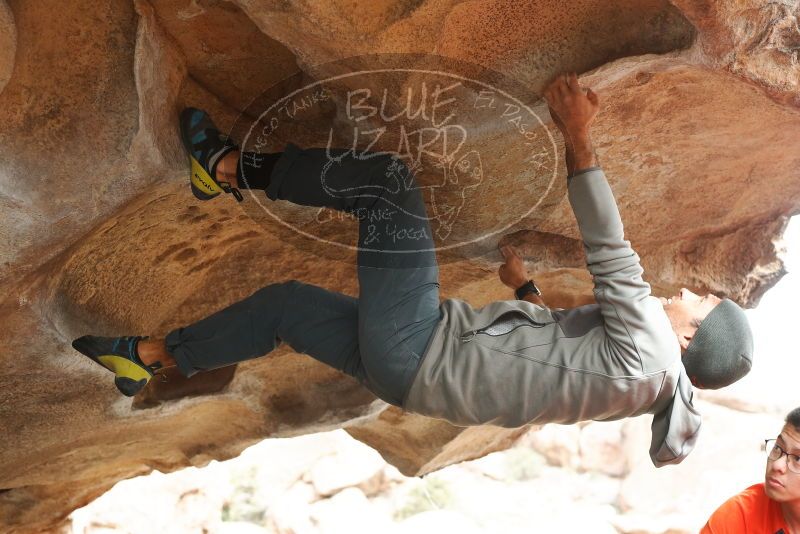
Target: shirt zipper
(470, 335)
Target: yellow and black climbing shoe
(206, 147)
(119, 355)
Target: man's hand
(573, 110)
(512, 272)
(514, 275)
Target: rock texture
(8, 44)
(697, 133)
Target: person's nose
(779, 465)
(687, 295)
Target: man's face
(686, 306)
(780, 484)
(691, 305)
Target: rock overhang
(92, 177)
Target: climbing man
(508, 363)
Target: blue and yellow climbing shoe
(206, 147)
(119, 355)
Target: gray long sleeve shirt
(510, 363)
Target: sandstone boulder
(697, 133)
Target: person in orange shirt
(772, 507)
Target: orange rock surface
(697, 132)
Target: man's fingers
(507, 251)
(551, 91)
(592, 96)
(561, 86)
(572, 82)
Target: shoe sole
(129, 387)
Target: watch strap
(524, 289)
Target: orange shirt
(750, 512)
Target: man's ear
(687, 332)
(684, 339)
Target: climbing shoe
(206, 147)
(119, 355)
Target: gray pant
(377, 338)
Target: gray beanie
(721, 351)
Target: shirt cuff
(583, 171)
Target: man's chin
(774, 492)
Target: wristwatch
(527, 287)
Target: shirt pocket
(512, 330)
